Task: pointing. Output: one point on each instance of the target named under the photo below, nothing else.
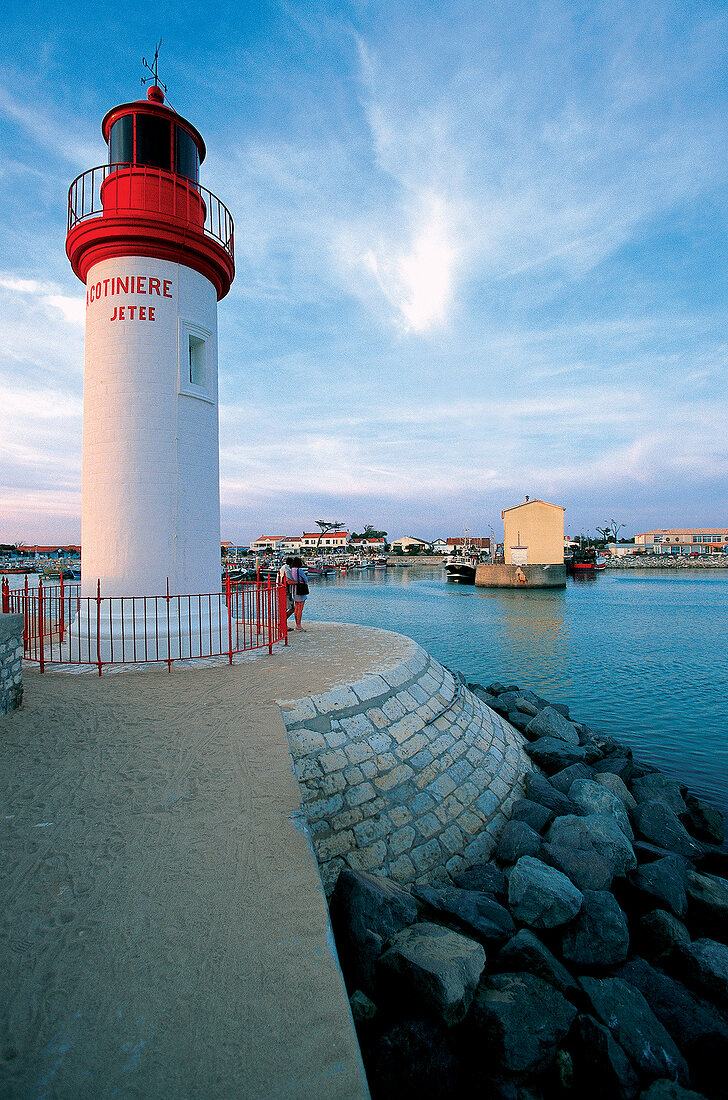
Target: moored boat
(588, 561)
(461, 567)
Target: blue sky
(481, 249)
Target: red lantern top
(147, 201)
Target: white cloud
(71, 307)
(418, 283)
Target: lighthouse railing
(63, 627)
(122, 189)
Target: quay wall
(404, 773)
(11, 662)
(523, 576)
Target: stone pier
(166, 927)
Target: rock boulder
(591, 797)
(526, 952)
(550, 723)
(602, 1070)
(633, 1024)
(541, 896)
(663, 881)
(435, 967)
(538, 789)
(704, 964)
(477, 914)
(591, 850)
(599, 936)
(517, 839)
(658, 823)
(521, 1020)
(365, 911)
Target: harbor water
(639, 655)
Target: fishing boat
(588, 561)
(461, 567)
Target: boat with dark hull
(461, 567)
(587, 561)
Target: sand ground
(164, 930)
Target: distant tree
(414, 549)
(369, 532)
(327, 525)
(616, 527)
(398, 550)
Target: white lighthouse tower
(155, 250)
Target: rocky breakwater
(407, 772)
(587, 958)
(668, 561)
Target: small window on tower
(196, 355)
(197, 359)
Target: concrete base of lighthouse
(149, 629)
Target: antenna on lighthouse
(153, 69)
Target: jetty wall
(11, 662)
(520, 576)
(404, 772)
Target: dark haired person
(300, 590)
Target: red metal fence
(60, 626)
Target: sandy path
(164, 930)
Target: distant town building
(684, 540)
(533, 533)
(266, 544)
(289, 544)
(332, 540)
(620, 549)
(407, 542)
(367, 544)
(54, 551)
(478, 543)
(441, 546)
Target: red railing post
(169, 635)
(98, 623)
(41, 624)
(62, 621)
(283, 612)
(269, 604)
(25, 616)
(6, 596)
(228, 599)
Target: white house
(368, 544)
(290, 544)
(407, 542)
(332, 540)
(266, 544)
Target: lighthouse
(155, 251)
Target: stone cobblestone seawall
(404, 772)
(11, 662)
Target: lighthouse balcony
(157, 212)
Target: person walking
(285, 576)
(300, 590)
